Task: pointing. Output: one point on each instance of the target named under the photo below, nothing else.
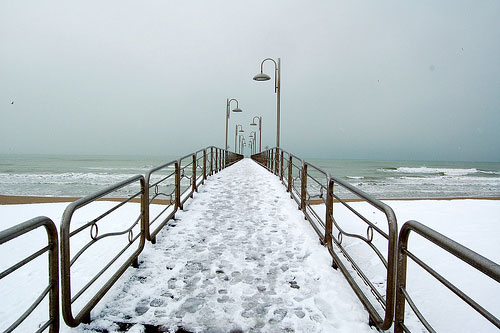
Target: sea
(77, 176)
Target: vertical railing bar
(303, 188)
(204, 164)
(281, 163)
(178, 185)
(194, 187)
(329, 214)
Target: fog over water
(386, 80)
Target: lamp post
(260, 131)
(236, 135)
(277, 89)
(253, 137)
(237, 109)
(241, 141)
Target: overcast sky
(397, 80)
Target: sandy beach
(22, 200)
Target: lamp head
(261, 77)
(253, 124)
(237, 110)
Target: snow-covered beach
(249, 228)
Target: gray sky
(360, 79)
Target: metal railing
(312, 187)
(309, 184)
(162, 185)
(165, 188)
(73, 227)
(53, 287)
(480, 263)
(166, 191)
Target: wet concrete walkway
(240, 258)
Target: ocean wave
(435, 171)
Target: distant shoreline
(28, 199)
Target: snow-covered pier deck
(240, 257)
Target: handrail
(168, 194)
(67, 260)
(53, 287)
(332, 234)
(190, 175)
(163, 191)
(480, 263)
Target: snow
(241, 256)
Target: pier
(239, 258)
(212, 242)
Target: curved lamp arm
(264, 77)
(228, 103)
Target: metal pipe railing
(473, 259)
(164, 195)
(161, 187)
(53, 279)
(315, 182)
(114, 258)
(187, 188)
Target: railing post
(270, 156)
(217, 160)
(303, 188)
(329, 214)
(220, 159)
(399, 315)
(281, 164)
(290, 171)
(211, 161)
(194, 186)
(177, 185)
(273, 162)
(204, 164)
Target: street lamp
(241, 141)
(277, 88)
(237, 109)
(253, 136)
(260, 131)
(236, 135)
